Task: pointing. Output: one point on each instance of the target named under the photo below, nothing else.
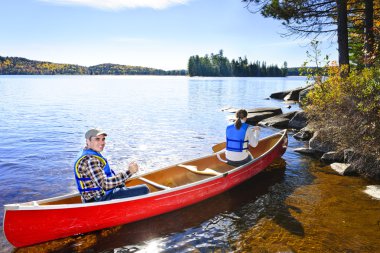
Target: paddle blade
(218, 147)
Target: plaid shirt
(92, 167)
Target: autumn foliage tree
(356, 23)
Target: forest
(23, 66)
(219, 65)
(213, 65)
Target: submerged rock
(255, 115)
(278, 121)
(306, 151)
(294, 94)
(340, 167)
(280, 94)
(373, 191)
(289, 94)
(254, 118)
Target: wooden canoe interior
(177, 175)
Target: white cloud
(120, 4)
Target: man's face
(97, 143)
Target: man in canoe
(95, 179)
(238, 136)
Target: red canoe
(171, 188)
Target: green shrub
(349, 109)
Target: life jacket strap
(236, 149)
(80, 184)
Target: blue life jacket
(79, 179)
(235, 138)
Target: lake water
(296, 206)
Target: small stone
(373, 191)
(340, 167)
(307, 151)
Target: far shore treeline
(219, 65)
(22, 66)
(213, 65)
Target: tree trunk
(369, 54)
(343, 34)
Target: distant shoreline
(23, 66)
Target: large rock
(294, 94)
(333, 156)
(278, 121)
(299, 120)
(304, 134)
(255, 115)
(254, 118)
(289, 94)
(366, 165)
(352, 171)
(307, 151)
(280, 94)
(350, 155)
(320, 144)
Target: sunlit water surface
(296, 205)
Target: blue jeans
(125, 192)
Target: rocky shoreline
(346, 162)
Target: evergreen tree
(219, 65)
(284, 69)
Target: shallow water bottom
(330, 215)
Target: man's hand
(133, 167)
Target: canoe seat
(220, 159)
(160, 186)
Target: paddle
(154, 183)
(206, 171)
(218, 147)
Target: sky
(151, 33)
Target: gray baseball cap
(94, 132)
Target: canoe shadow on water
(240, 199)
